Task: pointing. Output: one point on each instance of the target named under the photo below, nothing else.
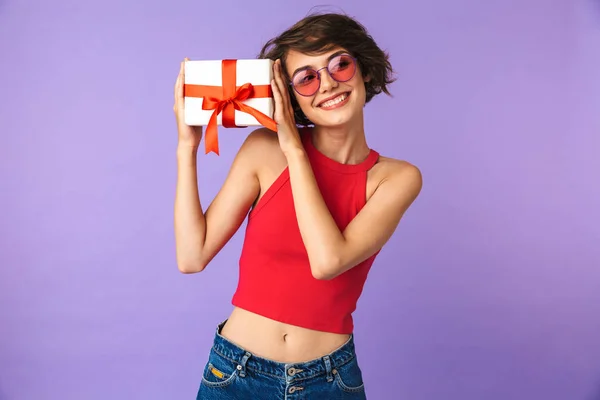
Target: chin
(334, 122)
(335, 117)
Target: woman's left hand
(289, 138)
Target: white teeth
(335, 101)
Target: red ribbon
(227, 99)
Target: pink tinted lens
(342, 68)
(306, 82)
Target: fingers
(178, 90)
(280, 81)
(278, 102)
(285, 93)
(282, 101)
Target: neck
(345, 144)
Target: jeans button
(292, 371)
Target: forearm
(321, 236)
(189, 220)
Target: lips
(332, 97)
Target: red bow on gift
(227, 99)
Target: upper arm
(232, 203)
(379, 218)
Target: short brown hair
(318, 33)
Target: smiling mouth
(330, 103)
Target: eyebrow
(337, 53)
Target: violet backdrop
(490, 288)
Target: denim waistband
(298, 371)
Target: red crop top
(275, 276)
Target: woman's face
(334, 103)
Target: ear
(367, 78)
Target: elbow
(190, 267)
(325, 271)
(322, 276)
(188, 270)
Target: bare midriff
(277, 341)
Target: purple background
(490, 289)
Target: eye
(307, 78)
(304, 78)
(341, 63)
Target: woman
(320, 205)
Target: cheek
(305, 103)
(360, 90)
(358, 84)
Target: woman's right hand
(189, 136)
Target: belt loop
(242, 366)
(328, 368)
(220, 326)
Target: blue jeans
(234, 373)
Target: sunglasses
(307, 82)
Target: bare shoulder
(400, 169)
(263, 151)
(398, 178)
(262, 138)
(259, 146)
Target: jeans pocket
(348, 377)
(219, 371)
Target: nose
(327, 82)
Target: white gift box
(258, 72)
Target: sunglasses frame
(318, 72)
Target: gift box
(229, 93)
